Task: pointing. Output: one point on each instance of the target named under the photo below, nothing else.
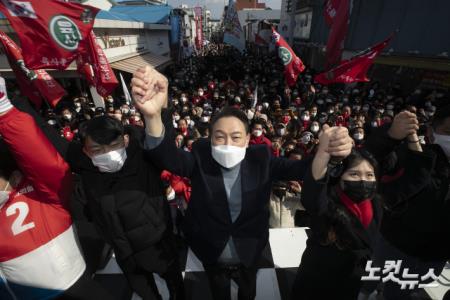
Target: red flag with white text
(293, 65)
(355, 69)
(34, 84)
(51, 32)
(96, 69)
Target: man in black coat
(126, 200)
(227, 221)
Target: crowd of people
(211, 155)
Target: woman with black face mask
(345, 213)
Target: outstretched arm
(334, 143)
(149, 89)
(35, 155)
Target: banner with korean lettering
(60, 28)
(95, 67)
(34, 84)
(355, 69)
(233, 35)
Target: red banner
(35, 85)
(353, 70)
(330, 11)
(59, 28)
(199, 27)
(94, 66)
(338, 32)
(293, 65)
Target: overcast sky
(216, 6)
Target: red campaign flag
(95, 67)
(355, 69)
(293, 65)
(59, 28)
(337, 34)
(34, 84)
(259, 40)
(330, 11)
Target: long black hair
(339, 222)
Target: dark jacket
(333, 270)
(129, 207)
(208, 224)
(417, 219)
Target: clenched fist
(149, 91)
(335, 141)
(404, 124)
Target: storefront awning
(131, 64)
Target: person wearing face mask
(305, 119)
(258, 137)
(225, 225)
(358, 137)
(415, 227)
(313, 113)
(125, 195)
(315, 128)
(39, 250)
(281, 130)
(285, 198)
(345, 213)
(307, 143)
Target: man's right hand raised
(149, 91)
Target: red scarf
(257, 140)
(363, 210)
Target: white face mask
(315, 128)
(171, 195)
(228, 156)
(4, 195)
(358, 136)
(306, 139)
(444, 142)
(110, 162)
(257, 132)
(281, 132)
